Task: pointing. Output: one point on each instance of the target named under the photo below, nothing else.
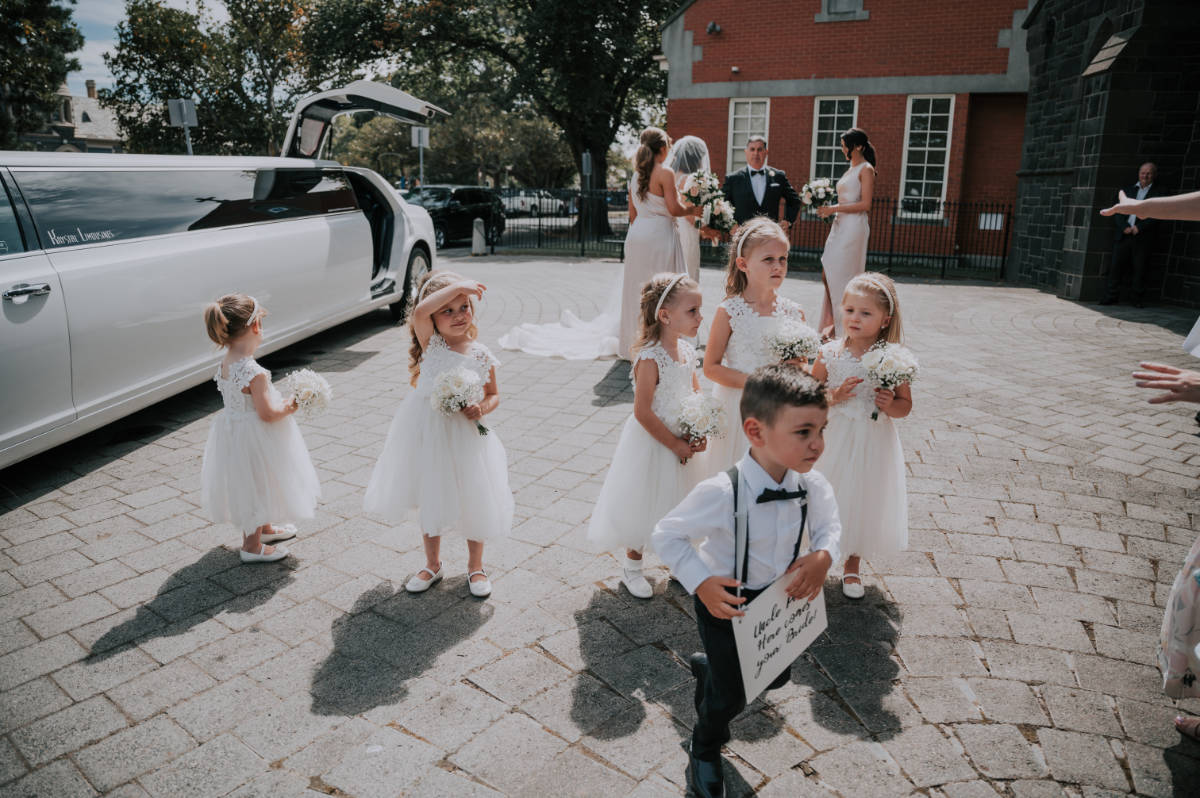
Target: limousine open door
(313, 118)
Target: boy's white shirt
(707, 515)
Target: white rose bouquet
(701, 416)
(703, 190)
(456, 389)
(795, 339)
(817, 192)
(310, 391)
(889, 365)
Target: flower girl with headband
(744, 325)
(440, 464)
(650, 472)
(256, 467)
(863, 458)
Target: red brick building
(939, 85)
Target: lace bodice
(749, 340)
(841, 365)
(241, 372)
(674, 380)
(440, 358)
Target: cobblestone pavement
(1010, 651)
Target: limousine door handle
(27, 289)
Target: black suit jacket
(745, 207)
(1145, 226)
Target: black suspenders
(742, 569)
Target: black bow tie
(773, 495)
(754, 172)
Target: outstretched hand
(1124, 205)
(1180, 385)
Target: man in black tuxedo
(1134, 238)
(757, 189)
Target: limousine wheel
(439, 236)
(418, 267)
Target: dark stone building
(1113, 83)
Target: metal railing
(967, 239)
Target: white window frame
(729, 148)
(904, 160)
(812, 162)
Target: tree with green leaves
(245, 74)
(37, 38)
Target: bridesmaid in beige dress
(846, 248)
(652, 244)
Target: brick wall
(772, 40)
(995, 130)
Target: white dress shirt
(707, 515)
(1141, 194)
(758, 184)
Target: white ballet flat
(853, 590)
(635, 582)
(282, 532)
(275, 556)
(482, 588)
(418, 585)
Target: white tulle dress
(864, 462)
(254, 472)
(748, 348)
(646, 480)
(435, 467)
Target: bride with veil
(661, 238)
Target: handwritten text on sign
(775, 630)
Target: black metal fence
(943, 239)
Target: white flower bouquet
(795, 339)
(703, 190)
(456, 389)
(889, 365)
(817, 192)
(701, 416)
(310, 390)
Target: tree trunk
(593, 206)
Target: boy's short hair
(769, 389)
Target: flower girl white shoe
(418, 585)
(282, 532)
(637, 584)
(248, 556)
(482, 588)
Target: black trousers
(1129, 255)
(723, 697)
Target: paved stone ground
(1010, 651)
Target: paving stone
(1080, 710)
(94, 675)
(881, 706)
(35, 660)
(637, 744)
(1036, 789)
(384, 765)
(516, 677)
(276, 784)
(996, 595)
(790, 784)
(861, 768)
(999, 751)
(1119, 678)
(328, 750)
(1051, 631)
(215, 768)
(59, 779)
(152, 692)
(131, 752)
(1027, 663)
(571, 774)
(513, 738)
(1081, 758)
(438, 783)
(20, 603)
(236, 653)
(942, 700)
(1162, 773)
(935, 656)
(68, 730)
(1005, 701)
(11, 766)
(219, 709)
(820, 721)
(575, 707)
(927, 757)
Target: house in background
(939, 85)
(77, 124)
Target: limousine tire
(418, 267)
(439, 236)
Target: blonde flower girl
(256, 467)
(440, 468)
(650, 471)
(863, 458)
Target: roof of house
(92, 120)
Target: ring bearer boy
(783, 414)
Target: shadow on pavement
(216, 583)
(1183, 760)
(614, 387)
(388, 638)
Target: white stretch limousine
(106, 262)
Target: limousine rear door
(313, 117)
(35, 348)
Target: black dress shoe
(782, 679)
(698, 662)
(704, 778)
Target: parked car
(106, 262)
(454, 210)
(540, 202)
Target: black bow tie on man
(774, 495)
(739, 190)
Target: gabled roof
(677, 13)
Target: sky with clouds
(97, 19)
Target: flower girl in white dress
(863, 458)
(650, 471)
(445, 470)
(256, 467)
(740, 338)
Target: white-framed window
(842, 11)
(747, 117)
(927, 136)
(832, 116)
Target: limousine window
(72, 208)
(10, 233)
